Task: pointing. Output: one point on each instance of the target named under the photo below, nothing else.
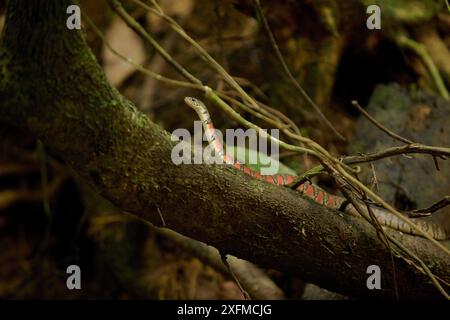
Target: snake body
(308, 189)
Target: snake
(310, 190)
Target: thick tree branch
(51, 85)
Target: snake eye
(193, 102)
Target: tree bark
(51, 85)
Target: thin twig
(253, 280)
(374, 177)
(228, 95)
(282, 116)
(433, 208)
(236, 280)
(288, 72)
(382, 236)
(306, 176)
(388, 207)
(202, 52)
(139, 67)
(276, 123)
(424, 267)
(133, 24)
(395, 151)
(161, 216)
(436, 163)
(379, 125)
(213, 97)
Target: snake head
(193, 102)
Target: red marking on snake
(289, 179)
(280, 181)
(320, 196)
(309, 191)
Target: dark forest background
(51, 218)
